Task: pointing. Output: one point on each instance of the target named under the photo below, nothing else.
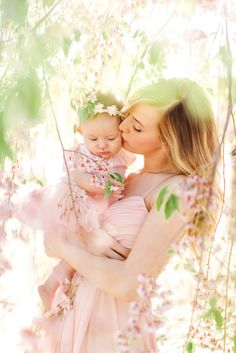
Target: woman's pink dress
(96, 317)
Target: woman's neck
(157, 164)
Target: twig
(46, 15)
(148, 45)
(63, 150)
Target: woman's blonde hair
(187, 127)
(188, 133)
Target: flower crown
(90, 106)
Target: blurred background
(53, 51)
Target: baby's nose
(101, 143)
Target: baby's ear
(78, 129)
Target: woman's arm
(119, 278)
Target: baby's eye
(111, 138)
(135, 129)
(93, 139)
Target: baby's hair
(99, 103)
(108, 99)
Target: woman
(171, 124)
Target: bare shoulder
(171, 182)
(131, 177)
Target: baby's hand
(114, 186)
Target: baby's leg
(48, 289)
(64, 273)
(61, 276)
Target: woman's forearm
(108, 275)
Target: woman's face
(140, 129)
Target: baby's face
(102, 136)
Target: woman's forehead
(145, 113)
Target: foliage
(53, 50)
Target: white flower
(92, 97)
(112, 110)
(114, 188)
(99, 108)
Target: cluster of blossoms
(8, 188)
(112, 183)
(143, 320)
(197, 193)
(65, 305)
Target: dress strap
(153, 187)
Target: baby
(96, 169)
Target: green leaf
(225, 56)
(172, 205)
(234, 343)
(117, 177)
(218, 318)
(5, 149)
(77, 34)
(83, 114)
(107, 191)
(24, 100)
(157, 54)
(208, 314)
(170, 251)
(234, 90)
(75, 128)
(190, 348)
(40, 46)
(105, 36)
(48, 2)
(66, 45)
(160, 197)
(15, 10)
(141, 65)
(90, 108)
(213, 302)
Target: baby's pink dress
(52, 205)
(96, 317)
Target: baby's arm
(104, 184)
(85, 182)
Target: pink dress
(59, 204)
(96, 317)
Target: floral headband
(90, 106)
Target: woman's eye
(135, 129)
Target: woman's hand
(98, 242)
(56, 242)
(101, 243)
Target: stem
(229, 113)
(46, 15)
(63, 150)
(148, 45)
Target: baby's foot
(46, 297)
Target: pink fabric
(96, 317)
(50, 205)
